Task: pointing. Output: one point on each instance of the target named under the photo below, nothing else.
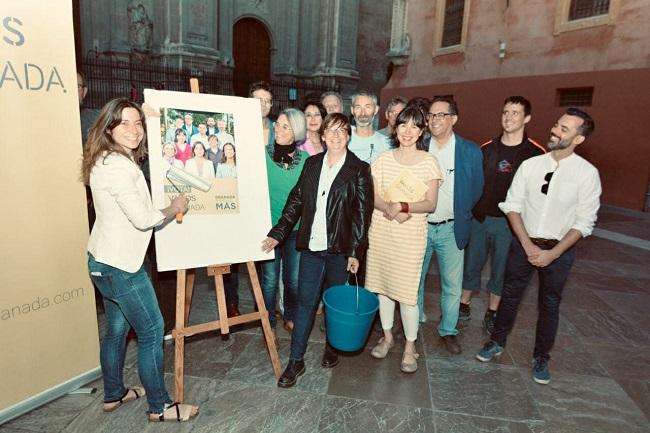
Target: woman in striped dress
(406, 181)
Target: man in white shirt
(223, 135)
(366, 143)
(201, 136)
(551, 204)
(449, 227)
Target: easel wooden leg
(179, 338)
(189, 289)
(264, 317)
(221, 302)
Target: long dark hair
(223, 157)
(417, 116)
(101, 141)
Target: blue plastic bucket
(349, 312)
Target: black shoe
(330, 357)
(291, 373)
(489, 320)
(464, 312)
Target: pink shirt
(183, 155)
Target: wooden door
(252, 54)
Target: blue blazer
(468, 186)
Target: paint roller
(175, 174)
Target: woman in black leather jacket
(333, 200)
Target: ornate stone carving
(140, 27)
(400, 42)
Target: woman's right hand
(180, 203)
(402, 217)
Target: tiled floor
(600, 367)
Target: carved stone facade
(311, 40)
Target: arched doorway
(251, 49)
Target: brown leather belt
(545, 244)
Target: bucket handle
(356, 281)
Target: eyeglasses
(438, 116)
(265, 101)
(336, 132)
(547, 179)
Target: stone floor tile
(363, 377)
(639, 392)
(254, 367)
(243, 407)
(601, 326)
(56, 415)
(447, 422)
(344, 415)
(208, 355)
(591, 403)
(471, 341)
(569, 355)
(483, 389)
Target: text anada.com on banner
(48, 323)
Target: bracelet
(405, 206)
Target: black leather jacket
(349, 207)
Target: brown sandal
(138, 392)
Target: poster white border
(204, 240)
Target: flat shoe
(179, 412)
(130, 395)
(409, 367)
(381, 349)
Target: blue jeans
(287, 255)
(441, 240)
(493, 237)
(130, 301)
(552, 280)
(314, 268)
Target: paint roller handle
(177, 207)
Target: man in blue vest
(461, 164)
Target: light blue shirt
(368, 149)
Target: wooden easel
(184, 290)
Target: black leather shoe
(330, 357)
(291, 373)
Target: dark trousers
(551, 283)
(315, 267)
(231, 285)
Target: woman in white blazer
(116, 249)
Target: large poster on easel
(48, 324)
(209, 147)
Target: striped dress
(396, 251)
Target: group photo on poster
(199, 158)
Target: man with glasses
(395, 106)
(366, 143)
(449, 226)
(551, 205)
(490, 233)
